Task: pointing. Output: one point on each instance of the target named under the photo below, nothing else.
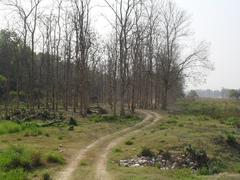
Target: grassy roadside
(211, 130)
(54, 141)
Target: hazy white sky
(218, 22)
(215, 21)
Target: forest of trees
(55, 59)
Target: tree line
(55, 58)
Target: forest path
(110, 140)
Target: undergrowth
(29, 128)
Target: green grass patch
(8, 127)
(117, 150)
(214, 108)
(54, 157)
(15, 174)
(129, 143)
(29, 128)
(208, 125)
(233, 121)
(171, 122)
(147, 152)
(20, 157)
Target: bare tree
(175, 27)
(124, 24)
(83, 44)
(25, 14)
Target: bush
(163, 127)
(20, 157)
(213, 166)
(71, 128)
(16, 174)
(180, 125)
(232, 121)
(31, 129)
(36, 159)
(171, 122)
(129, 143)
(146, 152)
(46, 176)
(72, 122)
(231, 140)
(8, 127)
(54, 157)
(198, 156)
(117, 150)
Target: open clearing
(95, 147)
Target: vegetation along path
(109, 142)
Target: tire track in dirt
(68, 171)
(101, 166)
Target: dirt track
(111, 140)
(101, 171)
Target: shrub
(213, 166)
(36, 159)
(54, 157)
(20, 157)
(231, 140)
(233, 121)
(166, 155)
(180, 125)
(46, 176)
(15, 157)
(117, 150)
(172, 122)
(16, 174)
(198, 156)
(163, 127)
(72, 122)
(31, 129)
(129, 143)
(71, 128)
(83, 164)
(7, 127)
(146, 152)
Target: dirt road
(110, 140)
